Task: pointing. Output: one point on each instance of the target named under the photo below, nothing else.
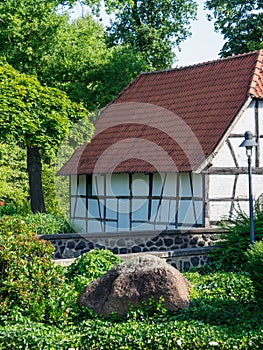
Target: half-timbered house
(165, 153)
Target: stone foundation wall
(184, 248)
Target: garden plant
(38, 302)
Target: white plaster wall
(198, 185)
(187, 211)
(162, 214)
(82, 185)
(223, 158)
(73, 184)
(124, 214)
(94, 208)
(81, 223)
(117, 185)
(140, 185)
(170, 185)
(240, 152)
(242, 186)
(72, 206)
(257, 185)
(221, 186)
(97, 185)
(246, 121)
(219, 211)
(260, 106)
(94, 226)
(111, 208)
(185, 187)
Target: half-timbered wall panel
(221, 186)
(119, 202)
(228, 179)
(224, 158)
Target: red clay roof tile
(170, 120)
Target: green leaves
(153, 28)
(235, 241)
(34, 116)
(27, 32)
(31, 114)
(240, 22)
(90, 266)
(254, 265)
(30, 284)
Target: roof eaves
(255, 90)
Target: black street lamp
(249, 143)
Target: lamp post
(249, 143)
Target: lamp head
(249, 143)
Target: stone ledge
(168, 255)
(119, 234)
(172, 253)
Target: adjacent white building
(165, 153)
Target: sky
(204, 44)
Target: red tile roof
(170, 120)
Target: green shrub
(235, 242)
(35, 336)
(90, 266)
(7, 209)
(222, 315)
(255, 268)
(42, 224)
(30, 284)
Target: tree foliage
(240, 22)
(13, 171)
(84, 67)
(35, 117)
(153, 28)
(36, 38)
(28, 30)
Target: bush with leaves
(222, 315)
(255, 268)
(90, 266)
(30, 283)
(235, 240)
(42, 224)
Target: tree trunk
(34, 169)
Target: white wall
(229, 192)
(120, 202)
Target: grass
(223, 315)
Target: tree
(240, 22)
(37, 39)
(84, 67)
(37, 118)
(13, 171)
(153, 28)
(28, 30)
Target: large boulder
(134, 282)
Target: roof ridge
(195, 65)
(254, 89)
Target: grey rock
(133, 282)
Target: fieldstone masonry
(181, 248)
